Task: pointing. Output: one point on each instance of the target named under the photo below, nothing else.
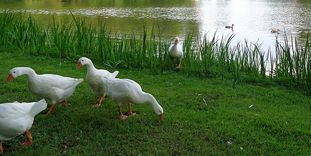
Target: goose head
(83, 61)
(16, 72)
(159, 111)
(177, 40)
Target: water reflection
(253, 19)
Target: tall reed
(204, 57)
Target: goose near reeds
(93, 78)
(229, 27)
(126, 91)
(176, 52)
(54, 87)
(17, 118)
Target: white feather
(50, 86)
(16, 117)
(124, 91)
(94, 76)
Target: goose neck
(90, 67)
(30, 73)
(153, 101)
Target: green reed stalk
(211, 57)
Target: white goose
(176, 52)
(126, 91)
(17, 118)
(54, 87)
(94, 76)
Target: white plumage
(17, 118)
(54, 87)
(126, 91)
(94, 78)
(176, 52)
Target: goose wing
(57, 81)
(104, 73)
(14, 119)
(14, 110)
(123, 87)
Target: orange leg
(178, 64)
(51, 108)
(129, 110)
(99, 101)
(121, 116)
(1, 148)
(28, 141)
(64, 103)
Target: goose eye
(14, 72)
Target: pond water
(253, 19)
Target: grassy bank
(210, 57)
(202, 116)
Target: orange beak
(79, 65)
(161, 117)
(10, 78)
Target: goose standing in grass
(54, 87)
(94, 78)
(176, 52)
(126, 91)
(17, 118)
(229, 27)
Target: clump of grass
(207, 57)
(293, 62)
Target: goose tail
(78, 81)
(37, 107)
(114, 74)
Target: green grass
(201, 116)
